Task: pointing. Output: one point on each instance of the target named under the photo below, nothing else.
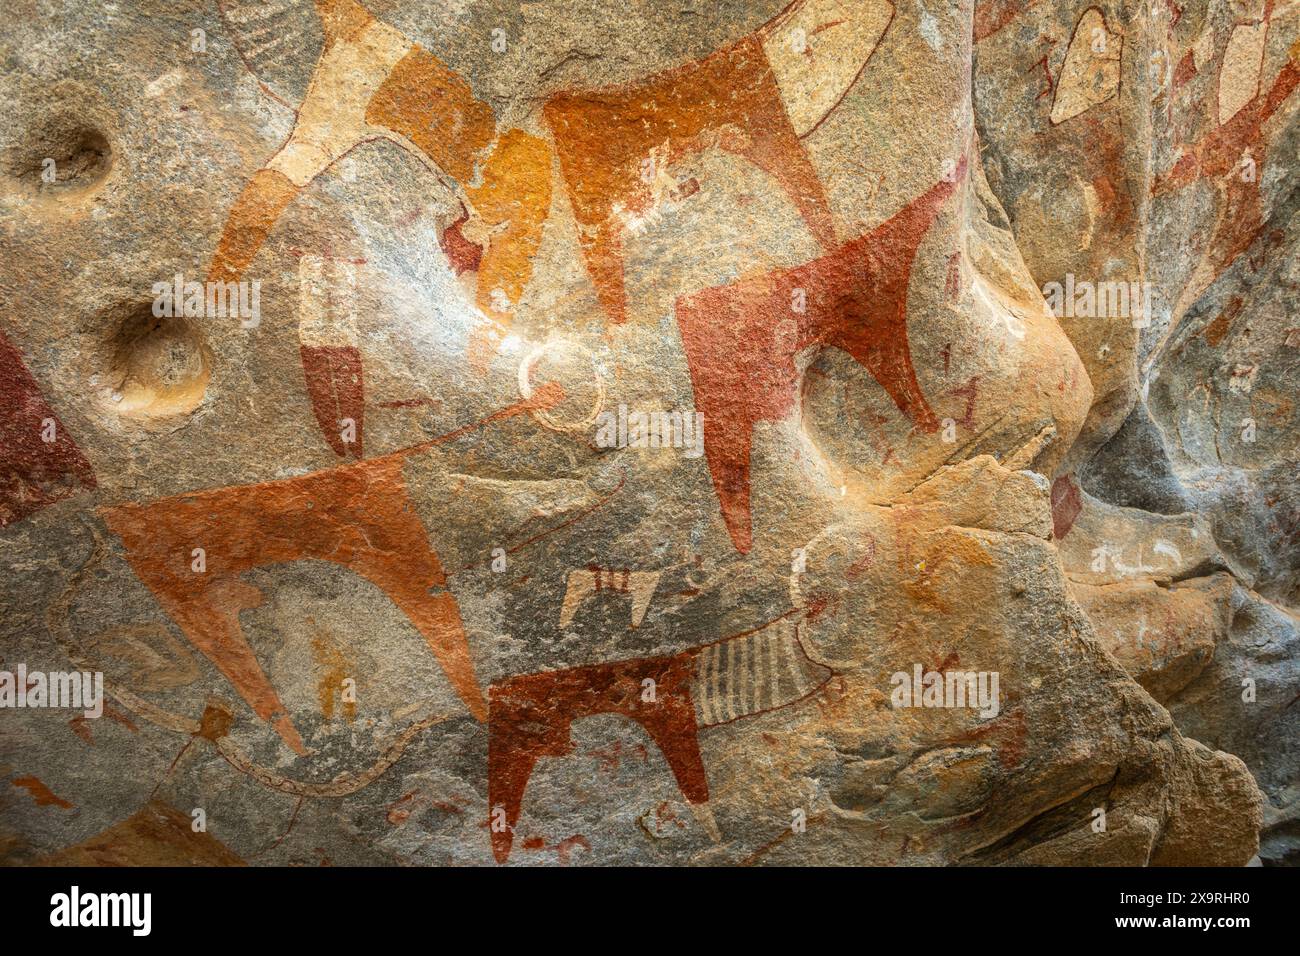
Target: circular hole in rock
(156, 366)
(63, 153)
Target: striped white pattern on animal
(327, 302)
(248, 12)
(752, 673)
(280, 40)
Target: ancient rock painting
(1066, 505)
(992, 15)
(39, 462)
(331, 355)
(510, 207)
(753, 673)
(529, 718)
(370, 83)
(1242, 61)
(671, 697)
(1090, 74)
(156, 835)
(1232, 156)
(529, 558)
(586, 582)
(731, 99)
(756, 98)
(356, 515)
(40, 794)
(741, 340)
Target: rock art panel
(783, 433)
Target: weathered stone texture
(967, 334)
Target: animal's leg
(602, 250)
(772, 145)
(206, 611)
(210, 620)
(331, 120)
(889, 360)
(435, 616)
(520, 730)
(670, 722)
(509, 209)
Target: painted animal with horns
(758, 97)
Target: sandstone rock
(593, 434)
(1164, 636)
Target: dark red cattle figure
(742, 340)
(529, 717)
(672, 697)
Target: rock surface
(851, 432)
